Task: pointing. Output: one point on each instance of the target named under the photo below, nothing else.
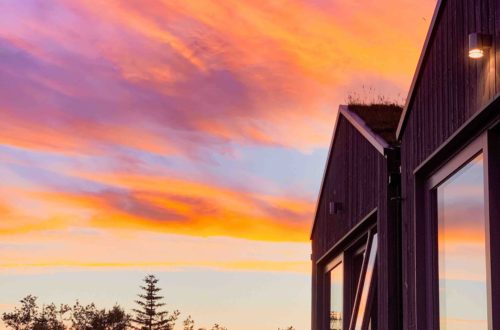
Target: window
(456, 227)
(362, 308)
(355, 256)
(461, 238)
(352, 279)
(336, 296)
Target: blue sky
(182, 137)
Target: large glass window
(336, 297)
(462, 249)
(358, 288)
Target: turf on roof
(382, 119)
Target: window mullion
(354, 313)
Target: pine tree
(149, 315)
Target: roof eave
(378, 142)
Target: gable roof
(377, 123)
(418, 72)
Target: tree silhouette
(215, 327)
(51, 317)
(82, 316)
(30, 317)
(149, 315)
(90, 318)
(23, 318)
(117, 319)
(188, 323)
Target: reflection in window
(336, 297)
(462, 250)
(367, 283)
(357, 265)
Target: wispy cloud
(142, 115)
(167, 204)
(185, 76)
(62, 249)
(178, 135)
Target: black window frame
(370, 299)
(444, 163)
(334, 263)
(357, 241)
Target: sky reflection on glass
(462, 250)
(367, 282)
(336, 297)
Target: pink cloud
(187, 76)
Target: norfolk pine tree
(149, 315)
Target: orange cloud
(124, 248)
(186, 207)
(28, 133)
(247, 71)
(117, 82)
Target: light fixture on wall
(335, 208)
(479, 43)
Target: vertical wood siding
(353, 179)
(357, 177)
(451, 89)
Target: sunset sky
(182, 138)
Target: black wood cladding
(357, 177)
(451, 89)
(353, 179)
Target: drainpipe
(393, 156)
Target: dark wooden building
(450, 173)
(356, 215)
(407, 235)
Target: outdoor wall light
(335, 208)
(478, 44)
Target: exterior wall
(357, 176)
(351, 180)
(450, 90)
